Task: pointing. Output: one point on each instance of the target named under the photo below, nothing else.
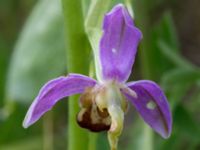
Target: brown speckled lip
(85, 121)
(90, 116)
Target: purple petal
(119, 44)
(53, 91)
(152, 105)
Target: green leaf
(186, 124)
(180, 77)
(185, 133)
(193, 102)
(153, 62)
(177, 82)
(3, 65)
(163, 29)
(167, 31)
(171, 54)
(172, 143)
(11, 128)
(33, 143)
(39, 54)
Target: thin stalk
(92, 141)
(48, 131)
(147, 143)
(77, 62)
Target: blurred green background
(32, 51)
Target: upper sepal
(152, 105)
(118, 45)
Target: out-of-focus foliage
(39, 54)
(3, 64)
(178, 81)
(22, 145)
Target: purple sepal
(53, 91)
(118, 45)
(152, 105)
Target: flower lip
(93, 119)
(90, 116)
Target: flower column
(77, 61)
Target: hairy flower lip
(85, 120)
(90, 116)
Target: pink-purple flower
(104, 103)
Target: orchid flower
(103, 103)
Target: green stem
(92, 141)
(147, 143)
(48, 131)
(78, 62)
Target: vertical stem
(147, 144)
(93, 141)
(48, 131)
(77, 62)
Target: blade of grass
(174, 57)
